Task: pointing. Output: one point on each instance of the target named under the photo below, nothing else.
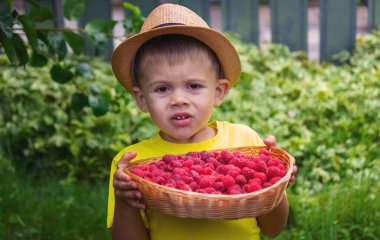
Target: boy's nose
(178, 99)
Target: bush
(324, 115)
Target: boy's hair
(173, 48)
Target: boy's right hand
(125, 188)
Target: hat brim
(124, 54)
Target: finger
(270, 141)
(125, 159)
(136, 204)
(128, 195)
(124, 185)
(120, 175)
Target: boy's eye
(194, 86)
(162, 89)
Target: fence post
(201, 7)
(289, 23)
(242, 17)
(373, 14)
(96, 9)
(338, 27)
(146, 6)
(56, 6)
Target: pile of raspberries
(221, 172)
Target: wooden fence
(289, 20)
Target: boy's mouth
(181, 119)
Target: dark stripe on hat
(167, 24)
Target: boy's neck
(202, 135)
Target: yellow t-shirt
(164, 227)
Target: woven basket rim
(129, 166)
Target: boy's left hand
(270, 141)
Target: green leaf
(57, 44)
(75, 41)
(41, 14)
(8, 47)
(6, 20)
(99, 106)
(134, 9)
(60, 74)
(100, 26)
(38, 60)
(79, 101)
(21, 52)
(29, 28)
(73, 9)
(84, 70)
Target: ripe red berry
(137, 171)
(261, 167)
(273, 172)
(235, 189)
(205, 181)
(240, 179)
(260, 175)
(274, 180)
(228, 181)
(247, 172)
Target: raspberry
(179, 171)
(240, 179)
(226, 156)
(235, 189)
(267, 184)
(223, 169)
(205, 181)
(248, 173)
(219, 186)
(228, 181)
(264, 152)
(233, 172)
(200, 190)
(205, 155)
(169, 185)
(238, 154)
(185, 187)
(272, 162)
(261, 167)
(251, 164)
(251, 187)
(195, 174)
(168, 158)
(176, 163)
(197, 168)
(158, 180)
(210, 190)
(208, 171)
(210, 165)
(194, 154)
(145, 168)
(257, 180)
(188, 179)
(138, 172)
(241, 162)
(273, 172)
(188, 163)
(282, 173)
(194, 186)
(260, 175)
(274, 180)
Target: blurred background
(310, 76)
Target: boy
(178, 69)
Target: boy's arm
(272, 223)
(127, 222)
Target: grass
(347, 210)
(55, 210)
(51, 209)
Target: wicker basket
(188, 204)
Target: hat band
(167, 24)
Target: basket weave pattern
(188, 204)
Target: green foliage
(51, 46)
(325, 115)
(52, 129)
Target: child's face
(180, 98)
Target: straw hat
(175, 19)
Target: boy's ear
(139, 98)
(222, 89)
